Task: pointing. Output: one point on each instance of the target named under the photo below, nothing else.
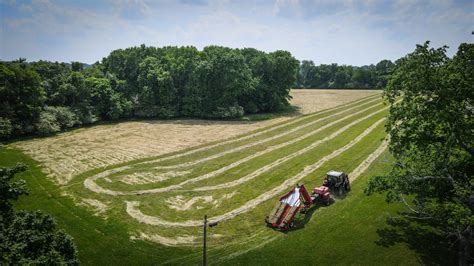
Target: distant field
(150, 210)
(311, 100)
(72, 153)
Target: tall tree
(21, 96)
(430, 125)
(304, 74)
(283, 76)
(29, 237)
(107, 102)
(181, 63)
(223, 78)
(157, 90)
(383, 70)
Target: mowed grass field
(150, 210)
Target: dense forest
(143, 82)
(344, 77)
(148, 82)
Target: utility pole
(204, 262)
(204, 257)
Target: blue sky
(325, 31)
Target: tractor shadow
(432, 247)
(301, 223)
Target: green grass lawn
(343, 233)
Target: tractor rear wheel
(348, 187)
(341, 190)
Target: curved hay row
(134, 212)
(350, 106)
(93, 186)
(90, 184)
(272, 165)
(180, 240)
(255, 143)
(183, 237)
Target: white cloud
(25, 8)
(350, 32)
(132, 8)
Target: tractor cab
(337, 182)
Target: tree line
(143, 82)
(431, 125)
(343, 76)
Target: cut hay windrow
(134, 212)
(70, 154)
(278, 162)
(180, 240)
(252, 144)
(165, 206)
(91, 184)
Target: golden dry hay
(71, 153)
(310, 101)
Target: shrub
(47, 124)
(228, 112)
(6, 128)
(64, 116)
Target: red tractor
(321, 194)
(337, 182)
(299, 199)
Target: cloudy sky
(325, 31)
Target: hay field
(162, 199)
(310, 101)
(72, 153)
(150, 210)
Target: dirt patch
(71, 153)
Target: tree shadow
(432, 247)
